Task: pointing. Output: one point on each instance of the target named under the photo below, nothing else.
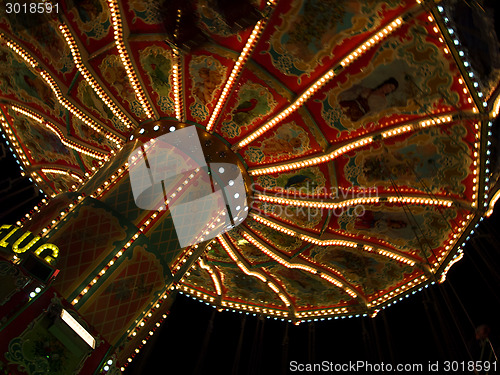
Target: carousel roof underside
(362, 124)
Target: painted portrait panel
(289, 140)
(207, 75)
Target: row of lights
(177, 78)
(495, 108)
(63, 172)
(303, 237)
(314, 204)
(57, 91)
(476, 166)
(142, 229)
(343, 243)
(461, 53)
(421, 201)
(242, 266)
(76, 112)
(394, 293)
(234, 306)
(213, 275)
(67, 142)
(289, 110)
(399, 258)
(351, 202)
(455, 259)
(26, 112)
(345, 149)
(109, 264)
(115, 177)
(333, 281)
(299, 266)
(240, 306)
(238, 262)
(254, 309)
(110, 182)
(312, 161)
(141, 322)
(456, 236)
(326, 266)
(319, 83)
(29, 216)
(493, 201)
(436, 121)
(453, 240)
(487, 169)
(279, 259)
(389, 254)
(122, 51)
(75, 146)
(21, 52)
(245, 270)
(466, 91)
(276, 290)
(46, 230)
(192, 293)
(436, 30)
(273, 225)
(183, 259)
(238, 65)
(90, 79)
(315, 241)
(381, 35)
(143, 342)
(397, 131)
(322, 312)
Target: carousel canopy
(362, 128)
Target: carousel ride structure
(359, 133)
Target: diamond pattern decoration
(121, 199)
(163, 239)
(85, 242)
(128, 290)
(48, 213)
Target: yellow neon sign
(19, 250)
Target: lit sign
(77, 327)
(26, 242)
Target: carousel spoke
(244, 265)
